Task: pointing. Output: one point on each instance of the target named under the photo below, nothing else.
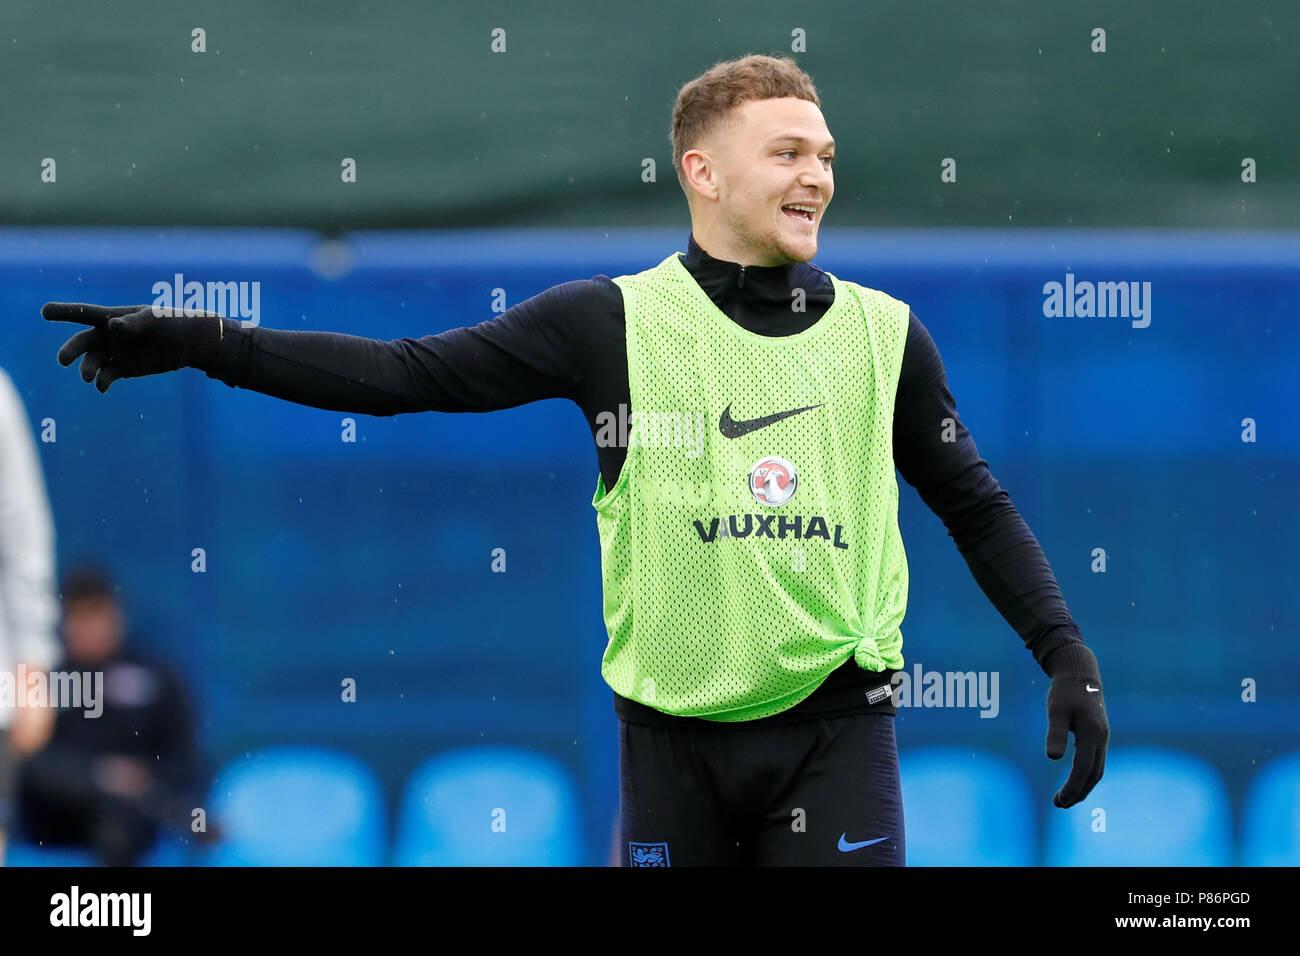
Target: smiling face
(768, 155)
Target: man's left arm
(1003, 555)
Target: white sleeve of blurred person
(28, 608)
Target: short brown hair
(87, 582)
(705, 101)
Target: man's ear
(698, 169)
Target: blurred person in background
(28, 610)
(109, 782)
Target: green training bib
(750, 545)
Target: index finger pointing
(85, 313)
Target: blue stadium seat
(168, 851)
(171, 849)
(1161, 808)
(20, 853)
(1271, 824)
(489, 806)
(965, 808)
(297, 806)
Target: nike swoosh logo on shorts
(731, 428)
(1091, 690)
(847, 847)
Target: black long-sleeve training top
(568, 342)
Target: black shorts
(822, 792)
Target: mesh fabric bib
(751, 543)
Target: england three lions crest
(648, 854)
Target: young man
(755, 583)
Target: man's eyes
(828, 160)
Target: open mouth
(796, 213)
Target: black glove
(1074, 704)
(128, 341)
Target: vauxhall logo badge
(772, 481)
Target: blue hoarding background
(371, 560)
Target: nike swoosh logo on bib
(731, 428)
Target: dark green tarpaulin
(447, 133)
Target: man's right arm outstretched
(527, 354)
